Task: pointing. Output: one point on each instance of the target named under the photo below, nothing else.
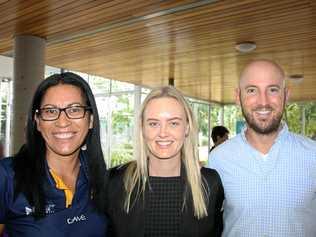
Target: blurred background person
(52, 186)
(219, 135)
(164, 192)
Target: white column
(29, 70)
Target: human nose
(63, 119)
(263, 98)
(163, 131)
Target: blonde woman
(165, 192)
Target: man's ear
(237, 96)
(91, 121)
(287, 94)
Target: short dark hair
(218, 131)
(29, 162)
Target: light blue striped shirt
(271, 196)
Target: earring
(84, 147)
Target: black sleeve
(218, 207)
(109, 202)
(216, 199)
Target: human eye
(50, 111)
(274, 90)
(153, 124)
(174, 124)
(251, 91)
(75, 110)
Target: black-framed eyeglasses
(53, 113)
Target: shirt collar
(83, 172)
(281, 134)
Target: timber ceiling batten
(147, 42)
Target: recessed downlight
(297, 78)
(246, 46)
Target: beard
(265, 127)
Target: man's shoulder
(225, 153)
(227, 147)
(301, 142)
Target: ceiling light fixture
(246, 46)
(296, 78)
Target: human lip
(263, 112)
(64, 135)
(164, 143)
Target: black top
(132, 224)
(163, 212)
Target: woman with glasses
(52, 186)
(165, 192)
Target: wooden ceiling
(146, 42)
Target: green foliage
(310, 116)
(215, 115)
(122, 154)
(202, 118)
(232, 113)
(292, 116)
(122, 121)
(122, 118)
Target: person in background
(164, 192)
(268, 172)
(52, 186)
(219, 135)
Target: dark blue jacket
(78, 220)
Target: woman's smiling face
(164, 128)
(64, 136)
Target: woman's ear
(187, 130)
(91, 121)
(37, 122)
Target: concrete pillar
(29, 70)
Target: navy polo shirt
(78, 220)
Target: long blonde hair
(136, 175)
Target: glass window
(117, 86)
(310, 119)
(5, 92)
(51, 70)
(301, 118)
(232, 118)
(122, 128)
(201, 112)
(292, 116)
(99, 85)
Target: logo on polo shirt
(49, 209)
(76, 219)
(29, 210)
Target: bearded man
(268, 172)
